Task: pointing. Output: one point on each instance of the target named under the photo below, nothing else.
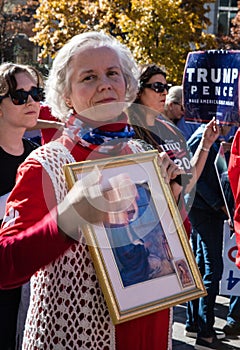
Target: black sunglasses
(157, 86)
(20, 97)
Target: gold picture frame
(147, 265)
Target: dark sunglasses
(157, 86)
(20, 97)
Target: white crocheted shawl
(67, 308)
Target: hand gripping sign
(211, 86)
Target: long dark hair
(137, 112)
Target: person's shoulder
(197, 134)
(235, 150)
(187, 128)
(162, 122)
(29, 170)
(53, 152)
(237, 135)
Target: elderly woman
(175, 111)
(91, 79)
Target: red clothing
(234, 178)
(48, 134)
(31, 240)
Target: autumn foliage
(161, 31)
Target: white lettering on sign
(226, 91)
(214, 75)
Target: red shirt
(234, 178)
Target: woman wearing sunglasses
(147, 118)
(92, 79)
(21, 90)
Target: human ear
(68, 102)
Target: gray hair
(175, 94)
(58, 83)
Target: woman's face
(25, 115)
(96, 80)
(175, 111)
(152, 99)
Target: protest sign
(211, 86)
(230, 281)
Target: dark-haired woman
(21, 91)
(146, 117)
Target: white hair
(58, 82)
(175, 94)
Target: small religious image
(183, 273)
(138, 241)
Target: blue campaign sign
(211, 86)
(230, 282)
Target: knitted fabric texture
(67, 309)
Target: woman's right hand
(172, 173)
(87, 202)
(168, 169)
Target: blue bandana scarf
(106, 136)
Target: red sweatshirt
(234, 177)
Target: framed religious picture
(141, 254)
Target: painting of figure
(138, 241)
(183, 273)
